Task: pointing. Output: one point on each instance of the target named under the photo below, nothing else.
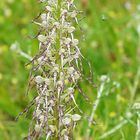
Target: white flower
(51, 2)
(15, 47)
(40, 59)
(66, 137)
(70, 90)
(66, 25)
(66, 121)
(55, 69)
(42, 118)
(48, 8)
(39, 79)
(104, 78)
(63, 132)
(51, 102)
(43, 16)
(37, 128)
(62, 51)
(60, 84)
(71, 29)
(56, 24)
(75, 42)
(136, 106)
(76, 55)
(47, 81)
(44, 23)
(42, 38)
(73, 14)
(52, 128)
(64, 12)
(75, 117)
(71, 70)
(38, 112)
(42, 0)
(76, 75)
(67, 41)
(41, 100)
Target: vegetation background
(110, 41)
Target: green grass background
(110, 41)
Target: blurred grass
(110, 41)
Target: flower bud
(39, 79)
(42, 38)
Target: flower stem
(57, 95)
